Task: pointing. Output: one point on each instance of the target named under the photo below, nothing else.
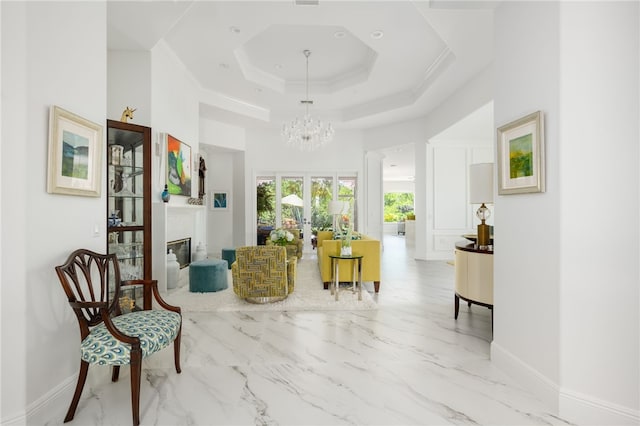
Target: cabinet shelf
(125, 228)
(128, 196)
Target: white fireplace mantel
(172, 221)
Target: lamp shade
(338, 207)
(481, 183)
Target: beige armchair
(263, 274)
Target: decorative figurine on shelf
(165, 194)
(201, 170)
(127, 114)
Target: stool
(229, 255)
(208, 275)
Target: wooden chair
(92, 284)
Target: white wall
(225, 145)
(222, 135)
(39, 69)
(174, 110)
(599, 322)
(566, 292)
(449, 214)
(129, 85)
(527, 230)
(220, 177)
(398, 186)
(373, 196)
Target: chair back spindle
(91, 277)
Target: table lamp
(481, 192)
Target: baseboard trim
(567, 404)
(53, 404)
(16, 420)
(586, 410)
(528, 377)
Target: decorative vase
(165, 194)
(173, 270)
(345, 251)
(200, 253)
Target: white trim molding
(586, 410)
(572, 406)
(528, 377)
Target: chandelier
(307, 133)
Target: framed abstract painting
(178, 167)
(75, 154)
(521, 166)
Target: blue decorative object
(114, 220)
(165, 194)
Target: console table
(474, 276)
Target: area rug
(308, 295)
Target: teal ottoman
(229, 255)
(208, 275)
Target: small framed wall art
(521, 167)
(220, 200)
(75, 154)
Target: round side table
(356, 261)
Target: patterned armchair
(263, 274)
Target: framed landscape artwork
(521, 167)
(220, 200)
(178, 167)
(75, 154)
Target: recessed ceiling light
(339, 34)
(377, 34)
(234, 30)
(224, 66)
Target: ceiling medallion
(307, 133)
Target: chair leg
(82, 378)
(456, 306)
(176, 351)
(115, 374)
(136, 367)
(376, 286)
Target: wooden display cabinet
(129, 202)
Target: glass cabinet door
(128, 199)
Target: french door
(301, 201)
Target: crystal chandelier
(307, 133)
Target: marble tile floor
(407, 363)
